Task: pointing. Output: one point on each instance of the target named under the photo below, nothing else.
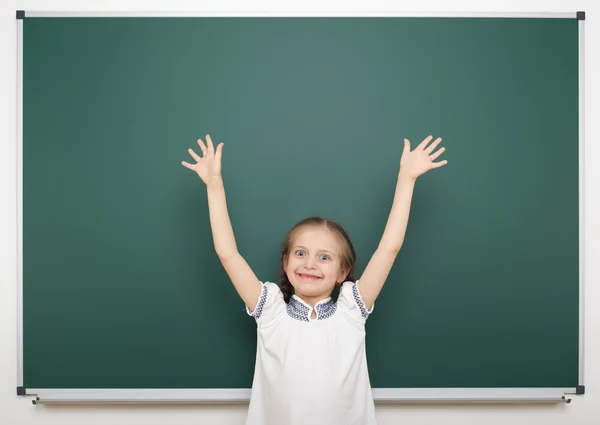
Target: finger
(434, 155)
(194, 155)
(219, 153)
(406, 146)
(431, 147)
(202, 147)
(439, 164)
(424, 142)
(211, 148)
(187, 165)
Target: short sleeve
(270, 303)
(352, 303)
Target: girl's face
(313, 264)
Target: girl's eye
(300, 253)
(324, 257)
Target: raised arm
(412, 165)
(208, 168)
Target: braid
(286, 287)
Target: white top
(311, 371)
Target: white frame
(242, 395)
(234, 395)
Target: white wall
(15, 410)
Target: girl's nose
(310, 261)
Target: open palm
(419, 161)
(209, 165)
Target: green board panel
(121, 285)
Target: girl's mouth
(308, 276)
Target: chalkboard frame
(405, 395)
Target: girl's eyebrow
(319, 250)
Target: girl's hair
(348, 256)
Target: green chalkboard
(121, 285)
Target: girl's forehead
(318, 238)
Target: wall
(16, 410)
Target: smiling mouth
(308, 276)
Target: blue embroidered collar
(298, 309)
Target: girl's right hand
(208, 167)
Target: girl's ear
(342, 276)
(284, 261)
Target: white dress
(311, 371)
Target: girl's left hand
(419, 161)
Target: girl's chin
(310, 288)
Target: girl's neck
(312, 301)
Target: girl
(311, 365)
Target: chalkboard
(121, 287)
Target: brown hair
(348, 257)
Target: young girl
(311, 366)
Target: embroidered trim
(361, 304)
(326, 310)
(297, 310)
(262, 299)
